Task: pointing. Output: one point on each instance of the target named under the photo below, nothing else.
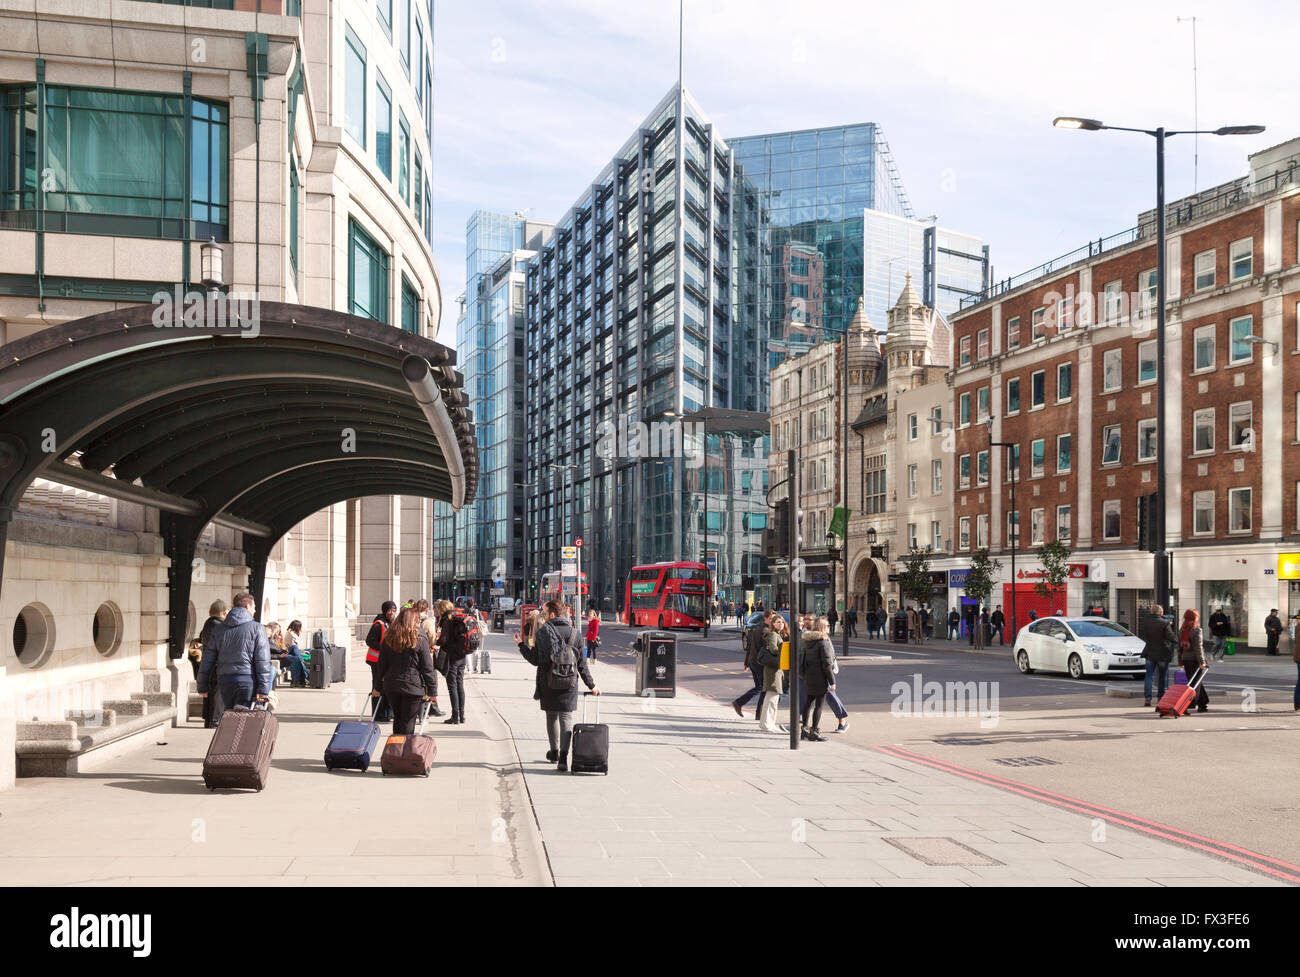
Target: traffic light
(746, 583)
(1148, 513)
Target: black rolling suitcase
(590, 743)
(320, 671)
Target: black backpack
(563, 673)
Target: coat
(818, 663)
(1158, 633)
(772, 641)
(554, 700)
(407, 672)
(1193, 656)
(237, 647)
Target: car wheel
(1022, 662)
(1076, 666)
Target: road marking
(1243, 856)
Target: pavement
(695, 796)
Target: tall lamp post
(1163, 569)
(526, 485)
(568, 535)
(1013, 463)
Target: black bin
(900, 628)
(656, 664)
(498, 621)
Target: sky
(533, 99)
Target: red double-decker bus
(669, 595)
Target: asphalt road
(1230, 774)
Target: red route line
(1085, 807)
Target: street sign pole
(577, 586)
(792, 528)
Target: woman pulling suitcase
(404, 673)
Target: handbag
(441, 661)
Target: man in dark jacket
(238, 657)
(452, 632)
(751, 640)
(1157, 632)
(851, 622)
(554, 642)
(999, 621)
(374, 642)
(954, 624)
(1220, 632)
(1273, 629)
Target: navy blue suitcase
(353, 742)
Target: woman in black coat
(818, 677)
(404, 672)
(558, 704)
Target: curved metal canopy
(255, 422)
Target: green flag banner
(839, 520)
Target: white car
(1080, 646)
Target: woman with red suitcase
(1191, 655)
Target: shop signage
(1078, 571)
(957, 578)
(893, 578)
(1288, 566)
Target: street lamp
(1163, 569)
(568, 535)
(526, 485)
(1013, 463)
(833, 552)
(1261, 341)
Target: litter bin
(1230, 646)
(900, 628)
(499, 621)
(656, 664)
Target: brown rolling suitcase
(240, 752)
(409, 755)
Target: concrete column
(416, 546)
(380, 517)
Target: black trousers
(456, 687)
(1202, 696)
(406, 711)
(384, 713)
(813, 702)
(1272, 642)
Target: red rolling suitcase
(590, 743)
(240, 752)
(1179, 698)
(409, 755)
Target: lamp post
(568, 536)
(1013, 456)
(526, 485)
(1163, 569)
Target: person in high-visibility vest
(374, 641)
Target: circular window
(106, 629)
(34, 635)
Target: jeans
(456, 687)
(1218, 647)
(559, 730)
(853, 628)
(832, 624)
(757, 690)
(813, 702)
(237, 690)
(591, 651)
(997, 629)
(1154, 669)
(837, 707)
(297, 668)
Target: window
(1203, 345)
(1036, 523)
(1064, 382)
(403, 159)
(367, 275)
(1038, 327)
(982, 404)
(1037, 457)
(386, 17)
(1204, 271)
(1013, 333)
(1064, 314)
(1110, 440)
(1147, 286)
(404, 36)
(1147, 440)
(383, 126)
(1147, 361)
(1064, 453)
(911, 427)
(965, 351)
(963, 472)
(1238, 330)
(293, 217)
(1063, 528)
(982, 530)
(982, 345)
(1241, 437)
(911, 481)
(1013, 466)
(1203, 431)
(1203, 513)
(1112, 363)
(418, 59)
(1013, 396)
(963, 533)
(1110, 512)
(418, 207)
(936, 537)
(410, 308)
(963, 410)
(911, 535)
(1240, 259)
(936, 477)
(1239, 510)
(1037, 389)
(354, 81)
(1111, 301)
(1013, 528)
(982, 468)
(936, 415)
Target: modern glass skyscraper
(483, 543)
(799, 251)
(629, 322)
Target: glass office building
(799, 249)
(483, 543)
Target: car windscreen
(1099, 629)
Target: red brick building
(1063, 362)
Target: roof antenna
(1196, 122)
(681, 42)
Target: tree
(979, 584)
(914, 578)
(1055, 557)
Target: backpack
(469, 639)
(563, 673)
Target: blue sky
(533, 99)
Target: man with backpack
(559, 667)
(375, 642)
(459, 636)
